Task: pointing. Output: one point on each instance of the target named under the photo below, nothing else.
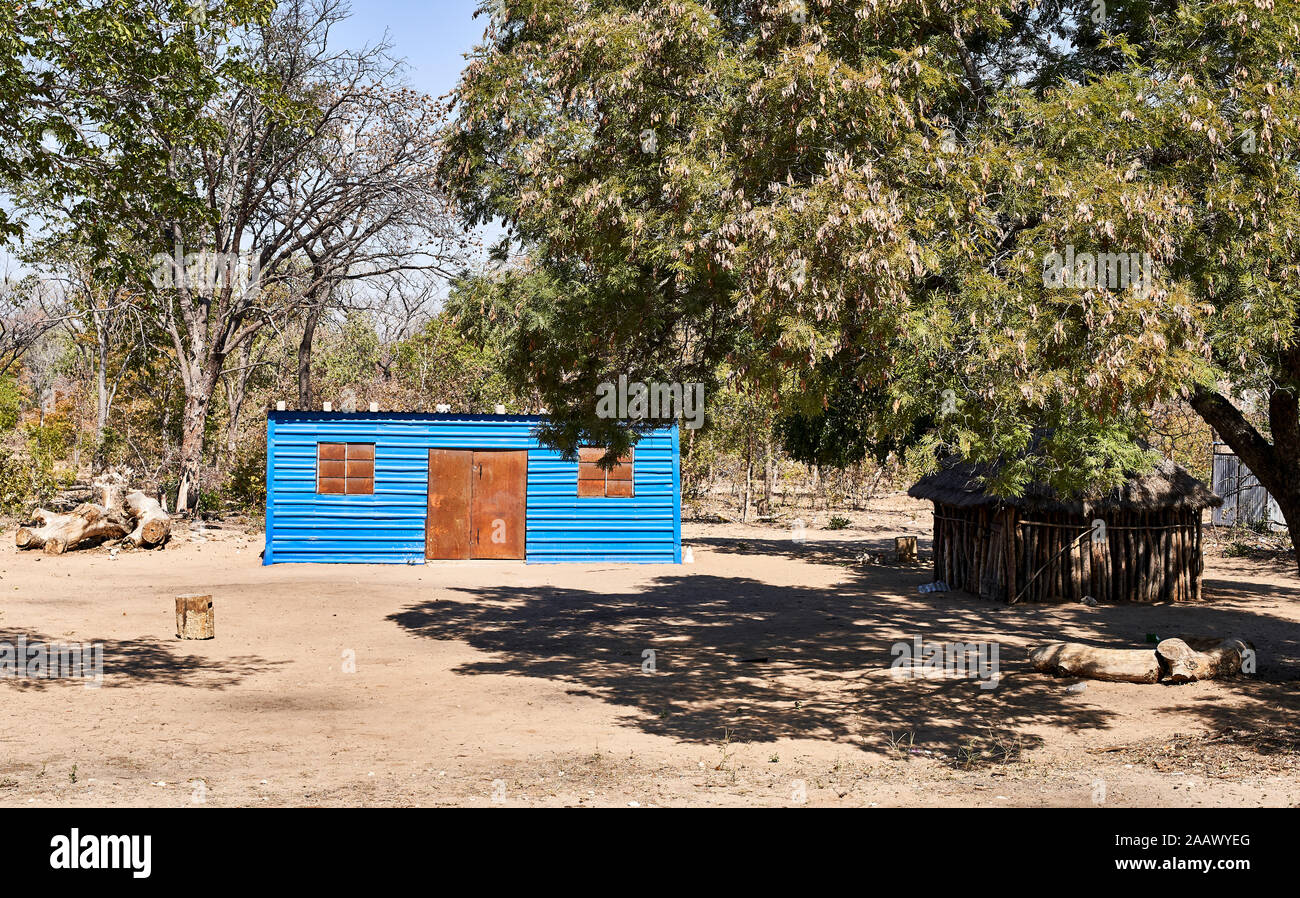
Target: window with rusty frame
(595, 482)
(345, 469)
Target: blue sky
(432, 35)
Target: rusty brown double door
(477, 503)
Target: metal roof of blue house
(388, 526)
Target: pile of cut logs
(130, 516)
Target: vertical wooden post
(1198, 561)
(1013, 537)
(937, 547)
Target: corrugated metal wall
(389, 525)
(1245, 500)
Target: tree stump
(905, 548)
(194, 617)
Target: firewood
(153, 526)
(1115, 665)
(85, 523)
(1201, 658)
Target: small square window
(595, 482)
(345, 469)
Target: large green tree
(103, 104)
(866, 200)
(229, 163)
(80, 81)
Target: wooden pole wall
(1146, 557)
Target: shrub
(28, 471)
(247, 487)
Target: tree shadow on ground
(137, 662)
(763, 662)
(819, 549)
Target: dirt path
(482, 683)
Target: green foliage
(348, 355)
(554, 338)
(10, 398)
(30, 470)
(738, 424)
(441, 363)
(79, 81)
(31, 452)
(247, 487)
(838, 523)
(851, 422)
(855, 209)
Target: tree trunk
(198, 402)
(905, 549)
(304, 357)
(234, 404)
(749, 481)
(194, 617)
(1074, 659)
(153, 526)
(1276, 464)
(236, 391)
(769, 474)
(47, 524)
(110, 488)
(1191, 658)
(85, 523)
(318, 298)
(101, 392)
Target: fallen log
(46, 524)
(1073, 659)
(85, 523)
(1200, 658)
(153, 526)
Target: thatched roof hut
(1042, 547)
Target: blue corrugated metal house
(388, 487)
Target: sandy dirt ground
(495, 683)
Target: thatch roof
(1166, 486)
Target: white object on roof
(328, 406)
